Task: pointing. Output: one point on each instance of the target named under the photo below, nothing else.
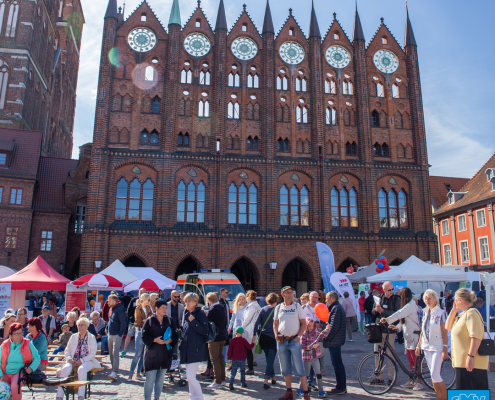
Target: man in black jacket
(449, 301)
(389, 304)
(116, 329)
(224, 293)
(216, 314)
(368, 307)
(335, 340)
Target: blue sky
(455, 55)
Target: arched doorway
(74, 272)
(134, 261)
(244, 270)
(346, 264)
(188, 266)
(396, 262)
(295, 275)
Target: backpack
(212, 332)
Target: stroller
(175, 371)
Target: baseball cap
(287, 288)
(46, 308)
(239, 329)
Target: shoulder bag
(257, 349)
(487, 346)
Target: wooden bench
(69, 388)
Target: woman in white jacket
(409, 324)
(80, 352)
(248, 322)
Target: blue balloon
(382, 257)
(380, 265)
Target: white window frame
(459, 223)
(445, 254)
(478, 219)
(467, 251)
(444, 232)
(487, 249)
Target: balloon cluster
(381, 265)
(350, 270)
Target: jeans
(56, 351)
(154, 379)
(238, 365)
(270, 355)
(361, 324)
(338, 366)
(224, 353)
(114, 342)
(138, 355)
(290, 355)
(195, 392)
(369, 320)
(215, 349)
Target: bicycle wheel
(377, 379)
(447, 373)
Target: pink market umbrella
(98, 280)
(147, 284)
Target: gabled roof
(477, 189)
(336, 22)
(52, 175)
(199, 10)
(384, 26)
(291, 17)
(268, 21)
(25, 152)
(239, 18)
(440, 187)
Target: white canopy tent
(120, 272)
(154, 275)
(362, 274)
(6, 271)
(415, 270)
(489, 281)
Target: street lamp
(61, 267)
(98, 264)
(273, 265)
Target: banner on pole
(5, 291)
(341, 284)
(327, 265)
(75, 297)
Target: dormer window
(490, 174)
(455, 196)
(451, 198)
(3, 159)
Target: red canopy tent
(38, 276)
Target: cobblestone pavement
(352, 353)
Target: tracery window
(243, 204)
(294, 206)
(134, 202)
(344, 209)
(392, 208)
(191, 202)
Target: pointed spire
(175, 14)
(314, 29)
(409, 40)
(112, 10)
(358, 29)
(221, 19)
(268, 22)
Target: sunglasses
(176, 297)
(389, 290)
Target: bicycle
(373, 370)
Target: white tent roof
(415, 270)
(362, 274)
(154, 275)
(121, 272)
(6, 271)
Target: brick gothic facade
(39, 64)
(196, 158)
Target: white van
(212, 280)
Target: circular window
(301, 101)
(375, 78)
(348, 103)
(329, 74)
(233, 96)
(253, 68)
(330, 102)
(301, 73)
(282, 99)
(205, 64)
(204, 94)
(234, 66)
(187, 63)
(155, 61)
(253, 97)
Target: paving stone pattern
(352, 353)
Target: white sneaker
(408, 385)
(215, 385)
(129, 379)
(418, 386)
(112, 376)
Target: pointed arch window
(301, 84)
(234, 80)
(204, 78)
(149, 74)
(233, 110)
(145, 137)
(12, 19)
(380, 92)
(183, 140)
(350, 149)
(121, 201)
(330, 87)
(344, 211)
(375, 118)
(252, 143)
(156, 105)
(132, 203)
(392, 209)
(395, 91)
(191, 202)
(283, 145)
(154, 137)
(204, 108)
(294, 206)
(302, 115)
(253, 81)
(243, 204)
(331, 116)
(186, 76)
(147, 211)
(347, 87)
(282, 83)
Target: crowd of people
(286, 328)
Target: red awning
(37, 276)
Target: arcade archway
(296, 275)
(187, 266)
(245, 272)
(134, 261)
(346, 264)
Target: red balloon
(376, 262)
(384, 261)
(386, 267)
(379, 270)
(350, 270)
(321, 311)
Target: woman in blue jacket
(193, 349)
